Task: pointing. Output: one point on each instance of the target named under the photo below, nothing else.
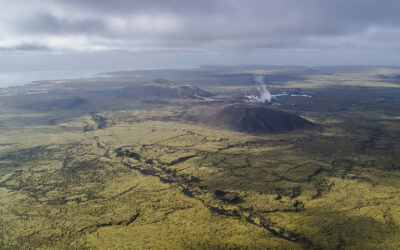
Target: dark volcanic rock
(58, 104)
(249, 118)
(230, 197)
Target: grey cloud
(50, 24)
(127, 7)
(214, 25)
(26, 47)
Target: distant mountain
(163, 90)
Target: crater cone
(249, 118)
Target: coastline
(32, 83)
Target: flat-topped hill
(165, 91)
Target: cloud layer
(212, 26)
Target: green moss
(145, 180)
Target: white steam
(264, 94)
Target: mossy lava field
(160, 160)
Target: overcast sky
(122, 34)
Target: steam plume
(265, 95)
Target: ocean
(19, 78)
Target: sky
(61, 38)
